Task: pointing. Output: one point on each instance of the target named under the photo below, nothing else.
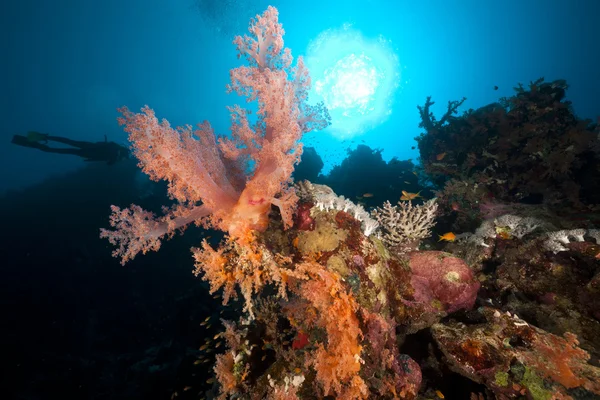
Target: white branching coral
(486, 230)
(340, 203)
(556, 240)
(325, 199)
(509, 224)
(518, 227)
(405, 224)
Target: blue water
(67, 68)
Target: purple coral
(441, 277)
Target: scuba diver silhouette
(110, 152)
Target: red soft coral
(199, 169)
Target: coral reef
(329, 289)
(336, 287)
(513, 359)
(329, 295)
(334, 319)
(529, 147)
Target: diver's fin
(21, 140)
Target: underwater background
(454, 203)
(68, 68)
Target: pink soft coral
(200, 170)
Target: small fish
(415, 173)
(210, 380)
(437, 392)
(495, 87)
(367, 195)
(409, 196)
(440, 156)
(203, 347)
(216, 336)
(407, 182)
(414, 147)
(449, 237)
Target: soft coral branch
(138, 230)
(208, 178)
(188, 160)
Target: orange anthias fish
(440, 156)
(409, 196)
(367, 195)
(448, 237)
